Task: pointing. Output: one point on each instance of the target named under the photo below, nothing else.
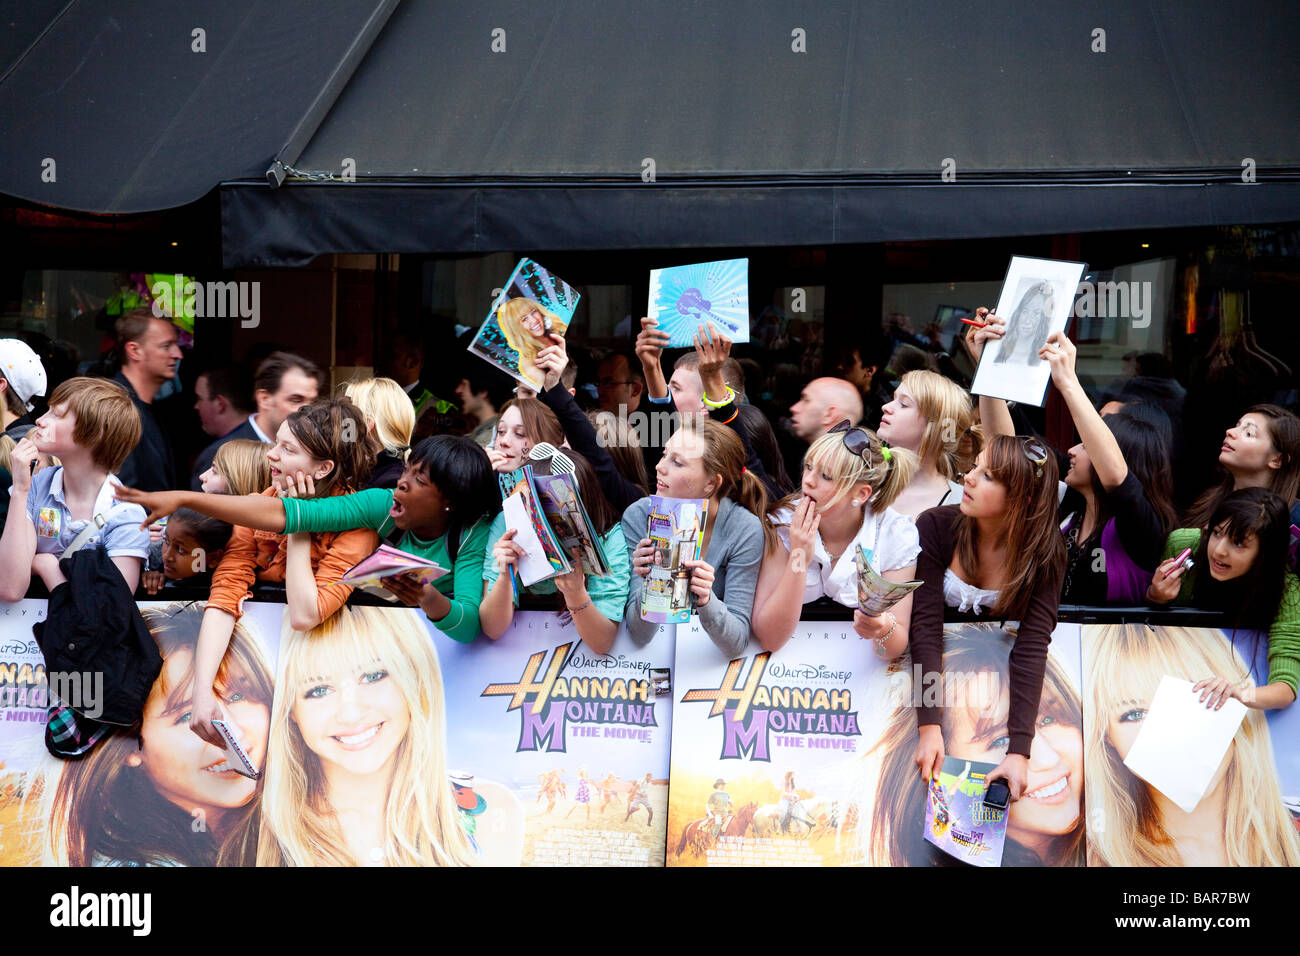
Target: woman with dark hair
(1261, 451)
(437, 512)
(1000, 550)
(1121, 469)
(1241, 570)
(595, 603)
(135, 801)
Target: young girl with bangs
(850, 481)
(929, 416)
(239, 467)
(440, 510)
(327, 442)
(1241, 570)
(1000, 551)
(706, 460)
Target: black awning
(458, 148)
(136, 118)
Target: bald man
(823, 404)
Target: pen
(978, 325)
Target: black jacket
(149, 467)
(94, 627)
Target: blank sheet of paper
(1182, 742)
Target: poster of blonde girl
(357, 770)
(533, 309)
(1241, 821)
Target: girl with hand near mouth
(437, 511)
(706, 460)
(999, 551)
(1241, 570)
(929, 416)
(850, 480)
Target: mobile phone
(998, 795)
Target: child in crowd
(850, 480)
(706, 460)
(595, 603)
(999, 551)
(192, 545)
(390, 418)
(325, 442)
(1241, 570)
(91, 427)
(439, 510)
(240, 467)
(929, 416)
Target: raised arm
(259, 512)
(995, 417)
(1103, 451)
(18, 543)
(650, 344)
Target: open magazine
(875, 594)
(569, 522)
(387, 561)
(676, 529)
(958, 821)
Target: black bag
(93, 626)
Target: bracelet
(880, 641)
(575, 610)
(709, 403)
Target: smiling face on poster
(533, 306)
(1036, 299)
(170, 798)
(1244, 817)
(358, 730)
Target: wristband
(709, 403)
(580, 607)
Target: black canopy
(505, 125)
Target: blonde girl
(1241, 820)
(930, 415)
(528, 327)
(239, 467)
(390, 418)
(357, 770)
(850, 479)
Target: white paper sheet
(1182, 743)
(533, 567)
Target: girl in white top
(849, 481)
(929, 416)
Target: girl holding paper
(1241, 820)
(850, 480)
(1241, 569)
(595, 603)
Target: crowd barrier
(549, 754)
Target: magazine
(569, 522)
(676, 528)
(532, 306)
(682, 298)
(875, 594)
(544, 557)
(387, 561)
(958, 821)
(236, 757)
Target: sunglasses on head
(1036, 452)
(856, 440)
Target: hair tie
(885, 453)
(743, 469)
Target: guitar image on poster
(683, 298)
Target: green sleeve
(1284, 637)
(609, 593)
(462, 621)
(364, 509)
(1180, 539)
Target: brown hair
(132, 326)
(108, 424)
(271, 371)
(540, 423)
(733, 373)
(1284, 433)
(335, 430)
(619, 439)
(1033, 539)
(242, 462)
(724, 455)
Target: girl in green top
(1241, 570)
(442, 507)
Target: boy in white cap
(22, 378)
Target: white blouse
(889, 538)
(966, 597)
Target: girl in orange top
(326, 441)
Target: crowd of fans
(891, 456)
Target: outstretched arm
(259, 512)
